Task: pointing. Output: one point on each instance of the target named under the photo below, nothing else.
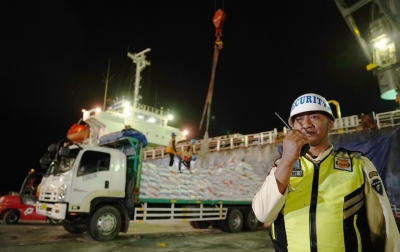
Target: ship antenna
(106, 81)
(140, 60)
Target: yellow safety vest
(170, 147)
(329, 217)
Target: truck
(97, 189)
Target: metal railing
(388, 119)
(342, 125)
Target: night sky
(55, 56)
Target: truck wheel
(251, 222)
(73, 228)
(105, 224)
(193, 224)
(233, 222)
(202, 224)
(55, 221)
(11, 217)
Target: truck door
(93, 179)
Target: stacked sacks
(230, 181)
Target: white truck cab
(84, 180)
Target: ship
(127, 114)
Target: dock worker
(185, 157)
(328, 199)
(171, 150)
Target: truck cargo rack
(178, 213)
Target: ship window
(162, 123)
(94, 161)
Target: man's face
(315, 125)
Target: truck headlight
(62, 191)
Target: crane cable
(218, 20)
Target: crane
(218, 20)
(380, 43)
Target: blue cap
(173, 134)
(193, 141)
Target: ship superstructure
(152, 122)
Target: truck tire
(105, 223)
(250, 222)
(201, 224)
(55, 221)
(11, 217)
(192, 224)
(73, 228)
(233, 222)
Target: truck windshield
(64, 165)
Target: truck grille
(48, 196)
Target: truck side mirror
(45, 161)
(52, 148)
(64, 151)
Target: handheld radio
(305, 147)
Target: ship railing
(120, 106)
(152, 110)
(221, 143)
(342, 125)
(95, 112)
(354, 123)
(346, 125)
(160, 116)
(388, 119)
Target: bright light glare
(126, 104)
(98, 109)
(140, 116)
(185, 132)
(83, 110)
(380, 44)
(128, 113)
(170, 117)
(151, 120)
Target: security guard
(327, 200)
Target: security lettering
(309, 99)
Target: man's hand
(292, 144)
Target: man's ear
(330, 124)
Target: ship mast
(140, 60)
